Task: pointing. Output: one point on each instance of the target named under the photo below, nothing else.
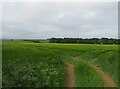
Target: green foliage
(109, 62)
(85, 41)
(86, 76)
(0, 64)
(41, 64)
(24, 66)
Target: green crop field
(28, 64)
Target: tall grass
(0, 64)
(86, 76)
(41, 64)
(109, 62)
(26, 66)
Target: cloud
(60, 1)
(63, 19)
(59, 16)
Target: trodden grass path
(70, 81)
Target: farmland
(29, 64)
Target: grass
(26, 66)
(109, 62)
(119, 68)
(84, 74)
(0, 64)
(41, 64)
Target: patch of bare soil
(70, 81)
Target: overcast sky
(28, 20)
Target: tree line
(85, 41)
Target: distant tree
(111, 41)
(95, 40)
(103, 41)
(85, 41)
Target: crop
(24, 66)
(29, 64)
(84, 74)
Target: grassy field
(0, 64)
(27, 64)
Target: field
(0, 64)
(28, 64)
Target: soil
(70, 81)
(108, 81)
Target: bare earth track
(70, 81)
(108, 81)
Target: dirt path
(70, 81)
(108, 81)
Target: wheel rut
(108, 81)
(70, 78)
(70, 81)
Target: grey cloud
(44, 20)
